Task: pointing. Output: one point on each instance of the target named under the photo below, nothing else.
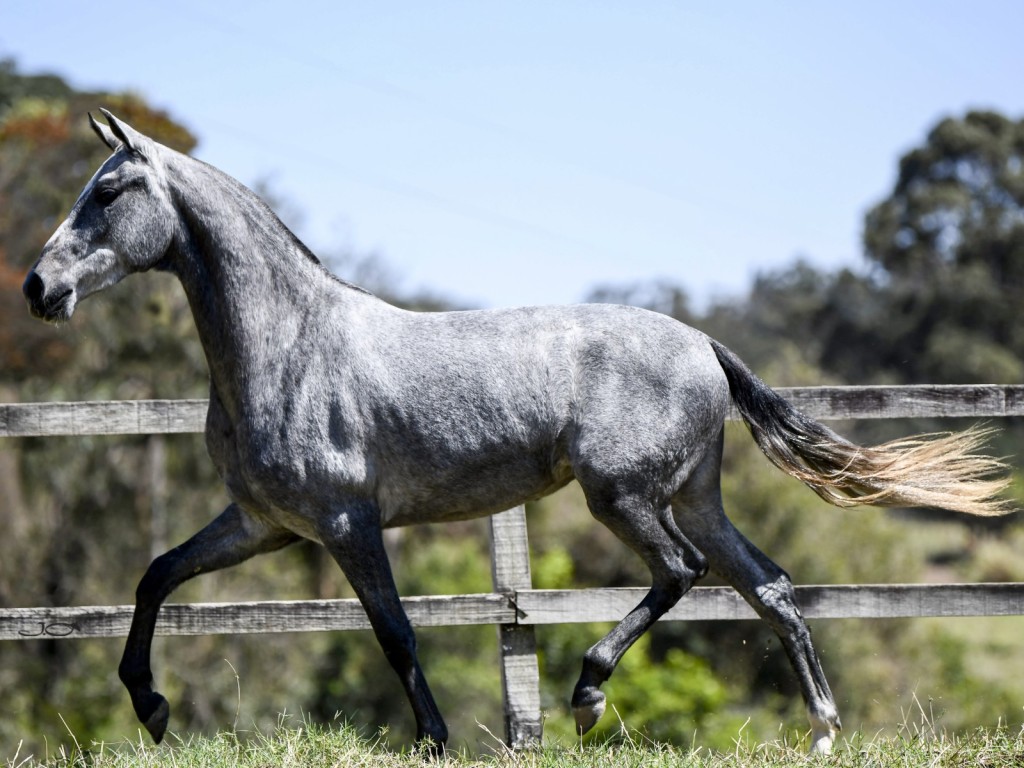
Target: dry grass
(313, 746)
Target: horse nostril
(56, 306)
(33, 290)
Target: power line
(283, 49)
(424, 196)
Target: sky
(504, 154)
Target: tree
(947, 251)
(938, 302)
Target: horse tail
(941, 470)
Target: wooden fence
(514, 606)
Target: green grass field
(313, 746)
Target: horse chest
(284, 466)
(228, 452)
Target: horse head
(123, 222)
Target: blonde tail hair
(943, 470)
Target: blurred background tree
(83, 516)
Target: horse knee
(698, 566)
(401, 654)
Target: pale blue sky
(522, 153)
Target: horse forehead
(112, 164)
(90, 184)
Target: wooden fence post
(517, 645)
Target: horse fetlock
(132, 671)
(588, 705)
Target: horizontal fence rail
(530, 607)
(261, 617)
(514, 606)
(150, 417)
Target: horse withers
(334, 415)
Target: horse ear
(125, 135)
(105, 134)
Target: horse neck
(251, 284)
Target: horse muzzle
(53, 306)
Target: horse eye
(107, 195)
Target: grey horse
(334, 415)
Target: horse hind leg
(775, 600)
(675, 564)
(770, 592)
(764, 585)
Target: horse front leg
(232, 537)
(353, 537)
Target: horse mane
(264, 214)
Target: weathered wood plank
(531, 607)
(816, 602)
(917, 401)
(510, 551)
(133, 417)
(517, 644)
(248, 618)
(115, 417)
(572, 606)
(910, 600)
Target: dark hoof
(587, 708)
(154, 712)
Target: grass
(316, 746)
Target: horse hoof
(156, 723)
(587, 710)
(823, 733)
(821, 743)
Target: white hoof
(587, 715)
(821, 742)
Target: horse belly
(476, 487)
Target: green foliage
(660, 697)
(948, 249)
